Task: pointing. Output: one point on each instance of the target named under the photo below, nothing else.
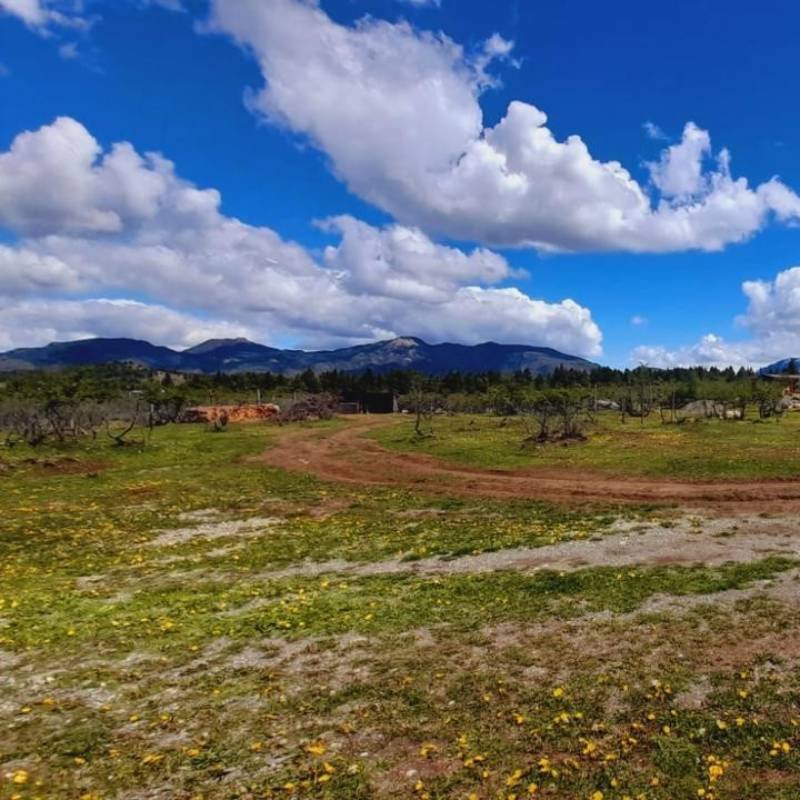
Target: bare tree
(423, 405)
(121, 418)
(554, 415)
(537, 419)
(21, 421)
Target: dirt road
(348, 456)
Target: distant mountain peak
(404, 342)
(242, 355)
(213, 344)
(779, 367)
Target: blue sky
(159, 79)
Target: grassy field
(178, 620)
(705, 449)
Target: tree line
(41, 405)
(108, 380)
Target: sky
(619, 181)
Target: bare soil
(722, 541)
(215, 530)
(348, 456)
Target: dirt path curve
(348, 456)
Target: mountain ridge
(779, 367)
(243, 355)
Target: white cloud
(638, 320)
(114, 222)
(37, 322)
(710, 350)
(475, 315)
(397, 112)
(403, 263)
(56, 179)
(69, 51)
(772, 318)
(773, 305)
(31, 12)
(654, 131)
(44, 15)
(25, 271)
(679, 173)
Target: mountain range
(779, 367)
(242, 355)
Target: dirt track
(347, 456)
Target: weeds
(149, 647)
(706, 449)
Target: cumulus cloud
(403, 263)
(772, 319)
(36, 322)
(710, 350)
(397, 111)
(98, 222)
(26, 271)
(773, 305)
(56, 180)
(679, 173)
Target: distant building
(368, 403)
(791, 379)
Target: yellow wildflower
(514, 778)
(19, 777)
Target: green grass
(707, 449)
(198, 669)
(176, 615)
